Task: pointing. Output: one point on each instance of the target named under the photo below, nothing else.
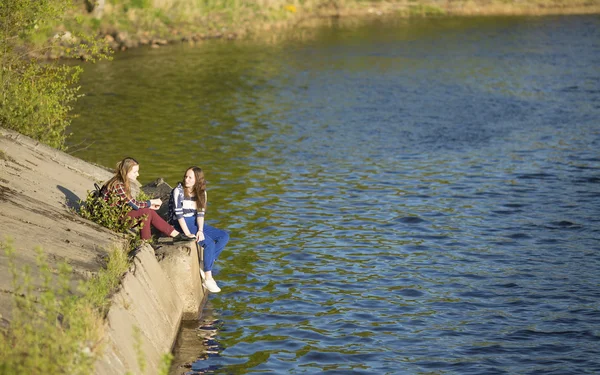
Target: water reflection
(197, 342)
(410, 198)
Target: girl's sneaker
(211, 285)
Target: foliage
(106, 281)
(55, 329)
(142, 196)
(112, 215)
(36, 95)
(52, 331)
(109, 213)
(165, 364)
(425, 10)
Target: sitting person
(187, 206)
(142, 212)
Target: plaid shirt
(119, 190)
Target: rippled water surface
(413, 197)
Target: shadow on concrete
(71, 199)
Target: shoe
(203, 277)
(211, 285)
(183, 237)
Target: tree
(36, 94)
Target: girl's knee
(209, 246)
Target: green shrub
(36, 95)
(112, 215)
(108, 214)
(52, 331)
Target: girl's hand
(200, 236)
(156, 202)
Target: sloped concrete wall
(144, 318)
(182, 267)
(39, 188)
(145, 315)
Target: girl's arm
(119, 190)
(200, 220)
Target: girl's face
(134, 172)
(190, 179)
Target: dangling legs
(214, 243)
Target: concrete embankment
(40, 188)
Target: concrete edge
(145, 314)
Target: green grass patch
(55, 329)
(421, 10)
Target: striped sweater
(181, 206)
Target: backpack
(93, 200)
(97, 192)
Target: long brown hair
(123, 168)
(199, 188)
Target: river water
(403, 197)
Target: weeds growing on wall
(112, 215)
(55, 329)
(108, 214)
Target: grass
(130, 23)
(55, 329)
(143, 20)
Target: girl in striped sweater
(187, 207)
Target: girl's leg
(151, 219)
(214, 243)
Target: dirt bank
(142, 27)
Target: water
(410, 197)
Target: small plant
(52, 331)
(112, 215)
(142, 196)
(165, 364)
(109, 213)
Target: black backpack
(94, 199)
(97, 192)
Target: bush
(52, 331)
(112, 215)
(108, 214)
(36, 94)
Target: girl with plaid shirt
(142, 212)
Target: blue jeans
(214, 240)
